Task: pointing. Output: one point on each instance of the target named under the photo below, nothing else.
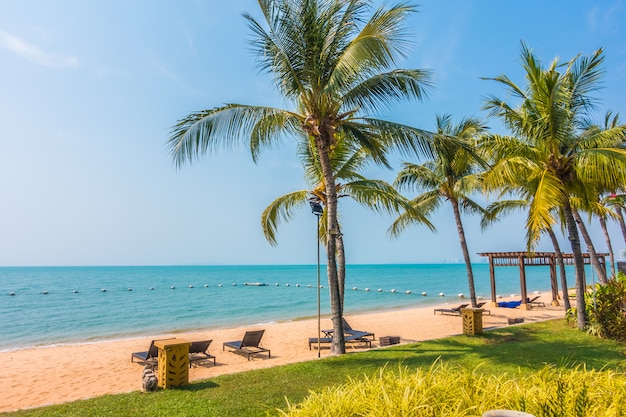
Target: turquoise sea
(59, 305)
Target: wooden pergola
(524, 259)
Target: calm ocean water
(140, 301)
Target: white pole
(319, 326)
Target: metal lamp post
(318, 210)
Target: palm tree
(336, 67)
(348, 163)
(593, 254)
(450, 176)
(549, 150)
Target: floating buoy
(297, 285)
(441, 294)
(393, 290)
(234, 284)
(75, 291)
(286, 285)
(11, 293)
(277, 284)
(130, 289)
(206, 286)
(190, 286)
(219, 285)
(309, 286)
(367, 290)
(104, 290)
(45, 292)
(151, 288)
(461, 295)
(424, 294)
(408, 292)
(321, 286)
(355, 288)
(172, 287)
(380, 290)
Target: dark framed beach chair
(322, 340)
(361, 334)
(150, 356)
(249, 345)
(350, 335)
(354, 337)
(348, 330)
(199, 353)
(533, 301)
(480, 305)
(454, 311)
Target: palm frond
(382, 90)
(281, 210)
(227, 127)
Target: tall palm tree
(548, 148)
(591, 248)
(450, 176)
(335, 63)
(348, 162)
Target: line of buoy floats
(264, 284)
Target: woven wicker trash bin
(472, 320)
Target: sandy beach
(50, 375)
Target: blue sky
(90, 90)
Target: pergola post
(492, 276)
(522, 282)
(553, 282)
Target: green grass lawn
(525, 349)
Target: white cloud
(34, 53)
(607, 19)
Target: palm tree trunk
(593, 255)
(608, 243)
(620, 220)
(338, 345)
(341, 268)
(466, 257)
(579, 265)
(559, 261)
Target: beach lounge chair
(350, 336)
(356, 337)
(454, 311)
(353, 332)
(348, 330)
(199, 352)
(249, 345)
(533, 301)
(149, 357)
(480, 305)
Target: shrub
(605, 309)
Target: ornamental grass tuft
(445, 390)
